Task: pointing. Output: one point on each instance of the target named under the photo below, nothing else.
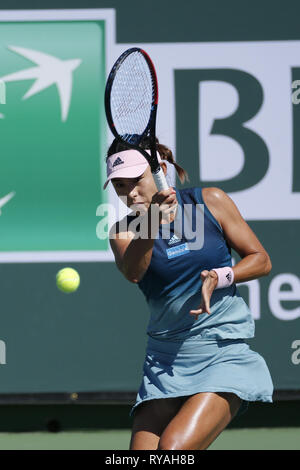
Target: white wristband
(225, 277)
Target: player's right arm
(132, 253)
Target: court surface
(231, 439)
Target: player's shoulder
(217, 201)
(210, 195)
(214, 195)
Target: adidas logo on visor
(118, 161)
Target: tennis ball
(67, 280)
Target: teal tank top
(194, 241)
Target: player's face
(137, 191)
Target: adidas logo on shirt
(173, 240)
(118, 161)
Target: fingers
(204, 307)
(204, 275)
(167, 208)
(167, 196)
(200, 311)
(212, 275)
(166, 192)
(168, 215)
(166, 201)
(209, 282)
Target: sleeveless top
(193, 242)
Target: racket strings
(132, 96)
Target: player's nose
(132, 192)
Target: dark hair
(164, 152)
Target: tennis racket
(131, 98)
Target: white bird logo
(5, 199)
(49, 71)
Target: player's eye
(117, 185)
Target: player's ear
(164, 167)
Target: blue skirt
(183, 368)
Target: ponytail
(166, 154)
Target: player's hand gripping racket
(131, 98)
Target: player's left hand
(209, 283)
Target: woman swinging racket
(198, 371)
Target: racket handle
(160, 180)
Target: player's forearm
(137, 259)
(252, 266)
(138, 254)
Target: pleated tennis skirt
(183, 368)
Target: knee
(170, 442)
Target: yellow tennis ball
(67, 280)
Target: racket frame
(149, 131)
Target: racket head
(131, 98)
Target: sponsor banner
(229, 111)
(216, 111)
(53, 135)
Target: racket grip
(160, 180)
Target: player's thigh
(150, 420)
(199, 421)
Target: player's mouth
(136, 203)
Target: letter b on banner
(234, 126)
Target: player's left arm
(255, 260)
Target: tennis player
(199, 372)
